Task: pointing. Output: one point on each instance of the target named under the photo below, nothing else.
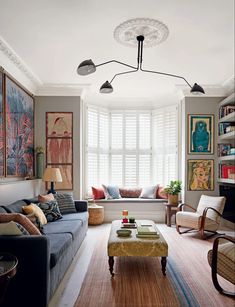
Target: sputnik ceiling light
(130, 33)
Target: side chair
(222, 261)
(205, 218)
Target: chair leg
(181, 232)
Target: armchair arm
(81, 205)
(207, 208)
(186, 205)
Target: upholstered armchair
(222, 261)
(205, 218)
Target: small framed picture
(200, 175)
(200, 134)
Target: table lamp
(52, 175)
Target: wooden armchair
(222, 261)
(205, 218)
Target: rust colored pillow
(130, 192)
(160, 193)
(22, 220)
(98, 193)
(45, 198)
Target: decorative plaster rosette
(154, 32)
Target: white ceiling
(53, 36)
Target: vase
(173, 199)
(39, 165)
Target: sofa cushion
(12, 229)
(66, 203)
(33, 208)
(83, 216)
(98, 193)
(15, 207)
(130, 192)
(60, 226)
(59, 243)
(113, 191)
(149, 192)
(2, 209)
(51, 210)
(45, 198)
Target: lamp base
(52, 189)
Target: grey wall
(198, 105)
(45, 104)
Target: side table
(96, 215)
(170, 210)
(8, 266)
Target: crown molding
(62, 89)
(18, 62)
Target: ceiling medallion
(154, 31)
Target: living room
(137, 95)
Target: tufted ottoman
(133, 246)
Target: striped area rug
(138, 282)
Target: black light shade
(86, 67)
(197, 89)
(106, 88)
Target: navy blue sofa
(43, 260)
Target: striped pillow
(66, 203)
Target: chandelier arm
(123, 73)
(114, 61)
(165, 74)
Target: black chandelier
(88, 67)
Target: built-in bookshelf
(226, 141)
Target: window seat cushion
(131, 200)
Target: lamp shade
(106, 88)
(197, 89)
(52, 174)
(86, 67)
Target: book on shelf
(147, 236)
(146, 230)
(223, 127)
(223, 149)
(225, 110)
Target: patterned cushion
(33, 208)
(149, 192)
(66, 203)
(225, 261)
(22, 220)
(51, 210)
(10, 229)
(113, 191)
(45, 198)
(22, 229)
(35, 220)
(160, 193)
(106, 193)
(130, 192)
(98, 193)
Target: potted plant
(173, 190)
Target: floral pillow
(51, 210)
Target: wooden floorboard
(188, 251)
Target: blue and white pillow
(51, 210)
(66, 203)
(113, 191)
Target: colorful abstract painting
(19, 110)
(201, 175)
(1, 128)
(201, 134)
(59, 146)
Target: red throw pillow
(98, 193)
(160, 193)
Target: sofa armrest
(33, 254)
(81, 205)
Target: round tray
(123, 232)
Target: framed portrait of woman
(201, 134)
(200, 175)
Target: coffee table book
(144, 230)
(129, 225)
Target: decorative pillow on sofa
(160, 193)
(35, 220)
(45, 198)
(113, 191)
(51, 210)
(22, 220)
(33, 208)
(130, 192)
(149, 192)
(12, 229)
(66, 203)
(98, 193)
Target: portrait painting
(1, 128)
(200, 134)
(19, 108)
(59, 124)
(67, 177)
(201, 175)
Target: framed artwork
(200, 175)
(19, 109)
(200, 134)
(59, 146)
(2, 139)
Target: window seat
(139, 208)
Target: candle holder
(125, 216)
